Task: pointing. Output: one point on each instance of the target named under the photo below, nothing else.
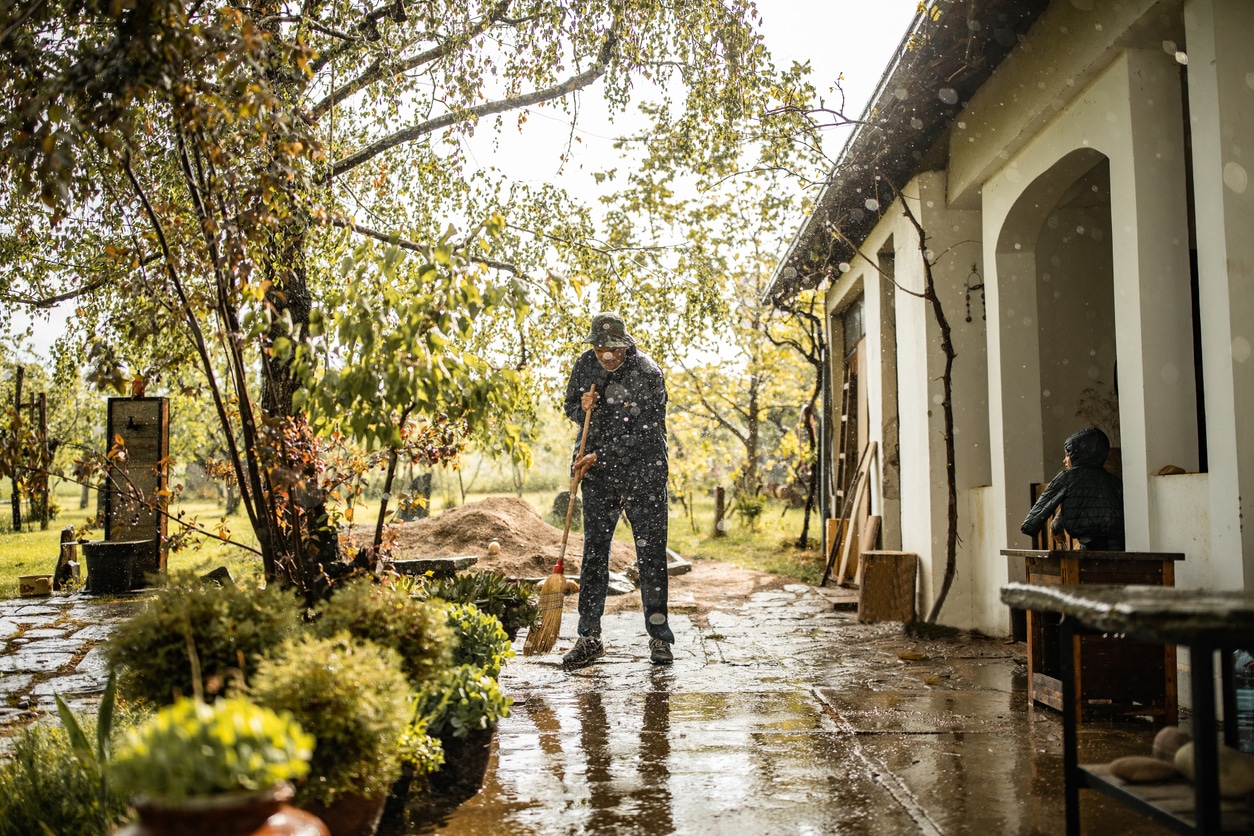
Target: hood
(1088, 448)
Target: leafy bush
(493, 593)
(44, 788)
(481, 640)
(192, 749)
(354, 699)
(231, 628)
(466, 699)
(390, 618)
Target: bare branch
(557, 91)
(377, 69)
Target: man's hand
(583, 464)
(589, 400)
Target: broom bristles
(542, 637)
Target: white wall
(1131, 114)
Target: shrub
(465, 700)
(481, 640)
(231, 628)
(388, 617)
(353, 698)
(44, 788)
(493, 593)
(192, 749)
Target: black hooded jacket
(628, 429)
(1088, 498)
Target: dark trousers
(646, 508)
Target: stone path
(49, 646)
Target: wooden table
(1116, 677)
(1205, 622)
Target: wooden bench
(1114, 676)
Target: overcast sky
(855, 38)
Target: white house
(1084, 174)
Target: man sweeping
(623, 470)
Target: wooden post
(45, 460)
(17, 432)
(720, 511)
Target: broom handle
(574, 480)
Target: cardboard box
(34, 585)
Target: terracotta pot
(350, 815)
(465, 764)
(235, 814)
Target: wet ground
(779, 715)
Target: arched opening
(1055, 260)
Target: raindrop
(1052, 222)
(1235, 177)
(1169, 47)
(974, 25)
(962, 126)
(1094, 372)
(1098, 235)
(1018, 246)
(936, 399)
(722, 525)
(1010, 314)
(657, 618)
(872, 204)
(1027, 321)
(948, 95)
(1182, 57)
(1240, 349)
(902, 94)
(856, 215)
(1046, 277)
(916, 123)
(1080, 229)
(843, 267)
(1045, 394)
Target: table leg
(1070, 707)
(1205, 746)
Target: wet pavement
(779, 715)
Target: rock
(1168, 741)
(1138, 769)
(1236, 770)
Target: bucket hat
(608, 331)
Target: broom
(542, 637)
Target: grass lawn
(769, 548)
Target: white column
(1221, 103)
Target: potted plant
(481, 641)
(223, 768)
(509, 600)
(352, 696)
(415, 629)
(230, 627)
(462, 710)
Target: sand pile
(529, 545)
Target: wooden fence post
(720, 512)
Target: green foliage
(416, 630)
(45, 788)
(191, 749)
(749, 507)
(230, 627)
(493, 593)
(464, 700)
(481, 641)
(353, 698)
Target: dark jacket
(628, 429)
(1088, 498)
